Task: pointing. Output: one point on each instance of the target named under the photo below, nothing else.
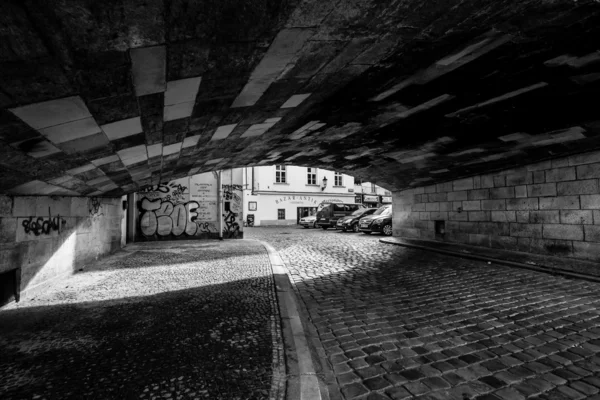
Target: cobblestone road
(401, 323)
(171, 320)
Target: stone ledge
(555, 265)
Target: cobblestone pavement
(400, 323)
(170, 320)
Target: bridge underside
(106, 98)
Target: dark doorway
(9, 286)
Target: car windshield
(359, 211)
(383, 211)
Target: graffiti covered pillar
(231, 182)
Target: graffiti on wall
(41, 225)
(94, 207)
(232, 202)
(175, 209)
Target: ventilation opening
(440, 227)
(9, 287)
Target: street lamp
(324, 183)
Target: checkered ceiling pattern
(104, 99)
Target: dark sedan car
(379, 221)
(350, 222)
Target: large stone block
(588, 171)
(544, 217)
(6, 203)
(437, 197)
(583, 217)
(519, 178)
(430, 189)
(8, 230)
(52, 206)
(79, 207)
(502, 193)
(463, 184)
(590, 202)
(495, 228)
(585, 158)
(496, 205)
(446, 206)
(504, 242)
(587, 250)
(559, 163)
(438, 216)
(592, 233)
(444, 187)
(596, 214)
(487, 181)
(522, 217)
(520, 191)
(499, 180)
(563, 248)
(474, 205)
(541, 190)
(478, 216)
(409, 232)
(526, 230)
(522, 204)
(469, 227)
(479, 240)
(539, 166)
(539, 177)
(457, 196)
(479, 194)
(418, 207)
(564, 232)
(24, 206)
(587, 186)
(503, 216)
(458, 216)
(457, 237)
(432, 207)
(425, 215)
(560, 203)
(560, 174)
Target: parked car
(379, 221)
(328, 215)
(309, 222)
(350, 222)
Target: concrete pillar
(131, 218)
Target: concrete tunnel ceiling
(103, 98)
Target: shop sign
(296, 200)
(386, 199)
(371, 199)
(358, 198)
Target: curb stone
(302, 380)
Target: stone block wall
(551, 207)
(46, 237)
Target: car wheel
(387, 230)
(355, 228)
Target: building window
(311, 176)
(373, 190)
(280, 174)
(338, 179)
(281, 213)
(387, 193)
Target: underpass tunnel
(481, 119)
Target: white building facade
(371, 195)
(282, 194)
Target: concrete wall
(551, 208)
(50, 237)
(187, 208)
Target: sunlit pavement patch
(400, 323)
(164, 321)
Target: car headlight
(377, 222)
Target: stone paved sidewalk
(399, 323)
(163, 320)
